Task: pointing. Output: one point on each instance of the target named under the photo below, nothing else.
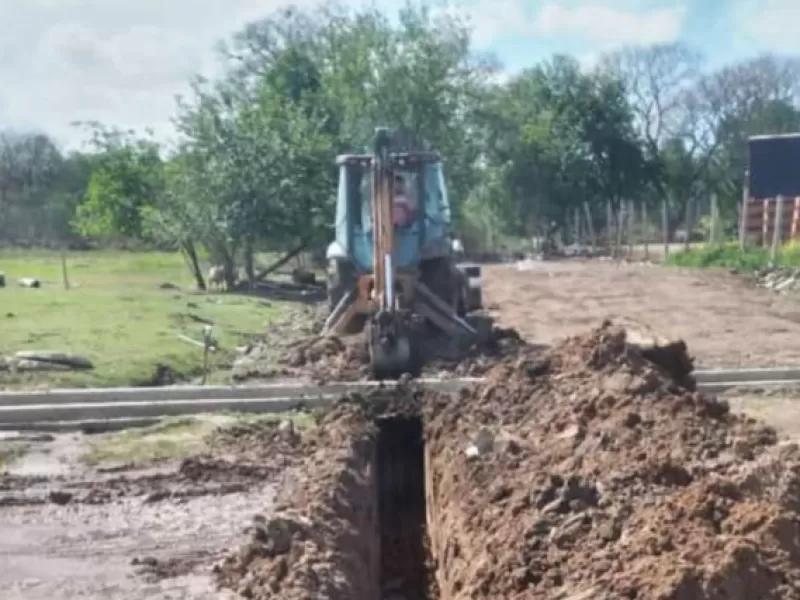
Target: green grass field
(118, 315)
(731, 256)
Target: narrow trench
(404, 565)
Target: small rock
(609, 531)
(743, 449)
(500, 493)
(575, 432)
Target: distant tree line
(253, 166)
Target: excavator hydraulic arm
(388, 337)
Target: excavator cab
(391, 260)
(420, 212)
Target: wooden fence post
(590, 226)
(646, 232)
(619, 222)
(712, 232)
(688, 217)
(743, 214)
(776, 232)
(631, 223)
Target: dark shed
(774, 165)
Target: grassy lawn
(118, 315)
(730, 255)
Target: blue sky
(124, 62)
(521, 31)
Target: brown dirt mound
(591, 472)
(320, 540)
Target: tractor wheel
(442, 279)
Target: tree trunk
(224, 256)
(249, 262)
(190, 253)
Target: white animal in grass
(216, 277)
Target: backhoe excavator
(391, 270)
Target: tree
(32, 172)
(661, 84)
(126, 177)
(753, 97)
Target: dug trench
(352, 520)
(593, 471)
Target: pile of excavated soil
(321, 359)
(321, 542)
(585, 472)
(592, 473)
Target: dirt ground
(151, 532)
(725, 322)
(559, 478)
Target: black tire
(442, 279)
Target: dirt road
(724, 322)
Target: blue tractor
(391, 269)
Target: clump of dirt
(322, 539)
(594, 471)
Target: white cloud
(120, 63)
(124, 62)
(601, 24)
(494, 20)
(769, 25)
